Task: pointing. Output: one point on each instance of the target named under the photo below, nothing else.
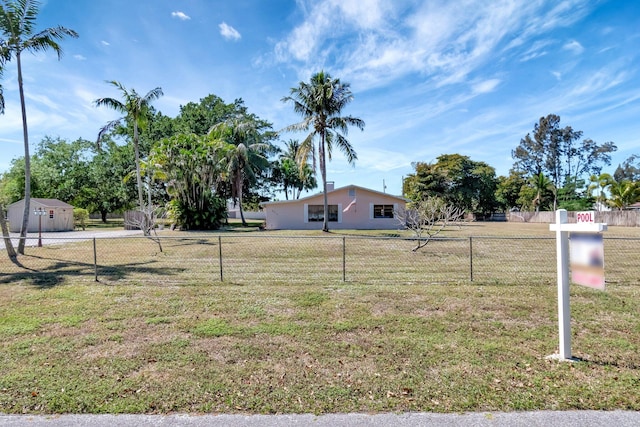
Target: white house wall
(291, 215)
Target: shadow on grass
(61, 270)
(190, 241)
(607, 363)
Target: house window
(51, 214)
(383, 211)
(316, 213)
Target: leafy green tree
(61, 169)
(80, 218)
(287, 173)
(629, 169)
(13, 181)
(244, 153)
(509, 188)
(74, 173)
(428, 180)
(598, 186)
(107, 188)
(192, 166)
(136, 110)
(17, 28)
(320, 103)
(556, 153)
(200, 117)
(624, 194)
(574, 196)
(543, 188)
(469, 185)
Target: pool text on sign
(585, 217)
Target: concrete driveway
(51, 238)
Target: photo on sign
(587, 259)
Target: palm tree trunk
(136, 150)
(27, 163)
(323, 172)
(5, 234)
(149, 211)
(239, 192)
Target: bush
(192, 218)
(80, 217)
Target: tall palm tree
(542, 186)
(624, 194)
(320, 103)
(293, 176)
(3, 60)
(599, 185)
(243, 154)
(17, 22)
(11, 252)
(135, 109)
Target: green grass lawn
(320, 348)
(151, 341)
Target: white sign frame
(562, 229)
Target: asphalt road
(488, 419)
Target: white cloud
(105, 43)
(44, 100)
(228, 32)
(536, 50)
(574, 47)
(485, 86)
(374, 42)
(80, 57)
(383, 160)
(557, 75)
(363, 13)
(180, 15)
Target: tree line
(189, 165)
(213, 151)
(552, 169)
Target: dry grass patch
(286, 348)
(497, 252)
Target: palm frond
(111, 103)
(152, 95)
(106, 128)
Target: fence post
(471, 257)
(95, 260)
(220, 256)
(344, 259)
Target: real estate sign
(587, 259)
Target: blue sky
(428, 77)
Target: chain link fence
(246, 259)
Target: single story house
(350, 207)
(57, 215)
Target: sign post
(562, 229)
